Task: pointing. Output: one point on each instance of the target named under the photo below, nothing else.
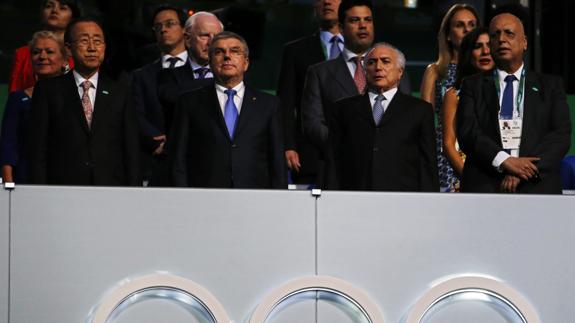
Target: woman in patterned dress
(440, 76)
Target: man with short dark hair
(227, 134)
(525, 155)
(83, 127)
(167, 24)
(383, 140)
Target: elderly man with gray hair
(383, 140)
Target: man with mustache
(228, 135)
(383, 140)
(83, 127)
(525, 156)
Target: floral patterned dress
(448, 180)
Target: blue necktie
(507, 101)
(202, 72)
(378, 109)
(230, 112)
(334, 50)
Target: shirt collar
(80, 79)
(389, 94)
(194, 65)
(239, 89)
(183, 56)
(502, 74)
(348, 55)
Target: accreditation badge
(510, 133)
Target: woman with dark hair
(440, 75)
(55, 15)
(475, 57)
(48, 59)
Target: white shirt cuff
(499, 159)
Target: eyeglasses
(85, 42)
(168, 24)
(233, 51)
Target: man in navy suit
(383, 139)
(298, 55)
(168, 28)
(228, 135)
(83, 127)
(525, 155)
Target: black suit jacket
(205, 156)
(150, 113)
(545, 134)
(65, 151)
(297, 56)
(397, 155)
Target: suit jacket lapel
(248, 108)
(365, 110)
(392, 108)
(531, 99)
(341, 75)
(75, 103)
(318, 51)
(213, 104)
(491, 100)
(103, 101)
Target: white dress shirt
(389, 94)
(325, 37)
(350, 60)
(238, 98)
(182, 58)
(92, 91)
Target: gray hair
(227, 35)
(400, 56)
(192, 20)
(46, 34)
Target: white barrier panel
(4, 252)
(395, 246)
(71, 246)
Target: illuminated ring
(328, 284)
(474, 284)
(160, 283)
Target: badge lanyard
(519, 93)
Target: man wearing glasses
(168, 28)
(83, 127)
(228, 135)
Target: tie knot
(335, 39)
(510, 78)
(380, 97)
(357, 60)
(86, 85)
(202, 71)
(230, 92)
(172, 61)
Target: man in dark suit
(83, 127)
(298, 55)
(228, 135)
(167, 23)
(527, 157)
(383, 140)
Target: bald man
(525, 155)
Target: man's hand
(160, 148)
(522, 167)
(509, 184)
(292, 160)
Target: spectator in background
(440, 76)
(48, 59)
(84, 130)
(56, 15)
(474, 57)
(168, 26)
(298, 55)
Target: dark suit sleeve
(147, 129)
(556, 142)
(278, 173)
(38, 139)
(178, 144)
(287, 94)
(429, 175)
(314, 121)
(472, 139)
(335, 144)
(131, 144)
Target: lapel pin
(105, 92)
(535, 89)
(253, 98)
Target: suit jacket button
(234, 146)
(88, 164)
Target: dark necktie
(173, 61)
(507, 101)
(230, 112)
(334, 50)
(378, 108)
(202, 72)
(86, 103)
(359, 76)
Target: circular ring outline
(321, 284)
(164, 281)
(477, 283)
